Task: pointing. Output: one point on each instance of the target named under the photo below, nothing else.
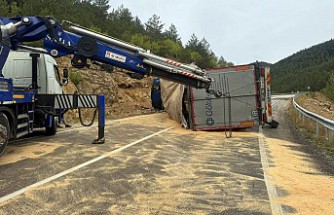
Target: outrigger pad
(99, 141)
(274, 124)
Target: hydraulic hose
(81, 120)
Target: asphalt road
(149, 165)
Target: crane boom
(86, 44)
(112, 51)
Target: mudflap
(50, 125)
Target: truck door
(53, 76)
(19, 68)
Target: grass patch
(75, 77)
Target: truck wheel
(53, 129)
(4, 132)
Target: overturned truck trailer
(246, 100)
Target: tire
(4, 132)
(53, 129)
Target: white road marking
(276, 208)
(68, 171)
(275, 102)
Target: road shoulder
(303, 187)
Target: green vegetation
(121, 24)
(308, 68)
(328, 91)
(75, 77)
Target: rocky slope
(124, 96)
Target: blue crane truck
(27, 102)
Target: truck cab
(18, 67)
(31, 97)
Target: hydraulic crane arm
(85, 44)
(28, 29)
(98, 47)
(14, 31)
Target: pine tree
(101, 11)
(221, 62)
(138, 26)
(4, 8)
(193, 42)
(154, 28)
(102, 4)
(172, 34)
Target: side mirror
(65, 73)
(65, 77)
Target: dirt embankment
(125, 96)
(317, 103)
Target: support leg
(102, 121)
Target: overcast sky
(243, 31)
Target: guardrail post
(330, 135)
(317, 129)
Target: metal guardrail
(319, 120)
(282, 96)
